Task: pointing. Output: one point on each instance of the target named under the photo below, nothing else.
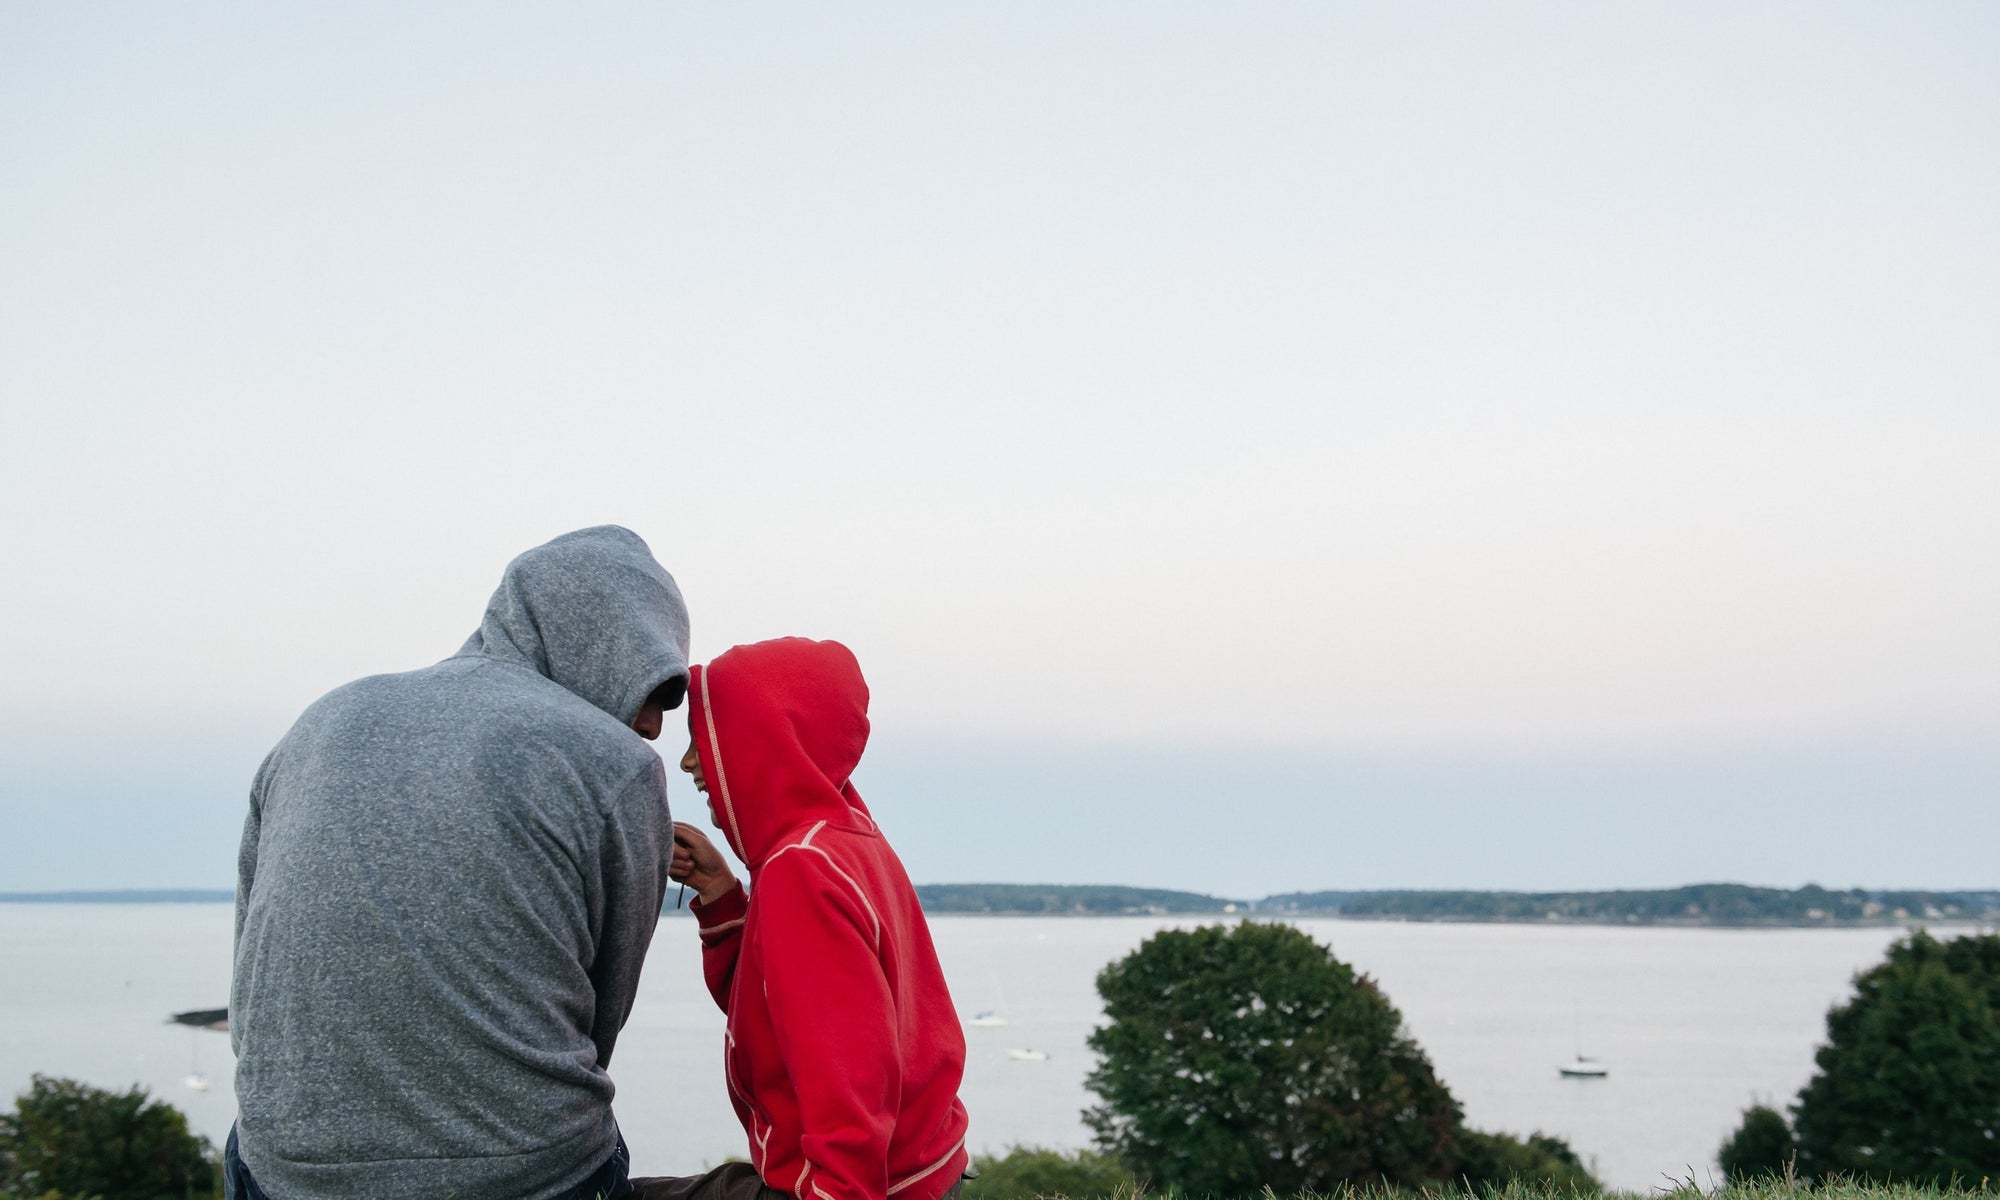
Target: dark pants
(608, 1182)
(730, 1181)
(236, 1181)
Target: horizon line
(228, 895)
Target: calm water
(1694, 1023)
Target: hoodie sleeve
(721, 940)
(836, 1023)
(632, 866)
(246, 849)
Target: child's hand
(699, 864)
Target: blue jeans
(236, 1181)
(608, 1182)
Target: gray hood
(594, 612)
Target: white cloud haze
(1284, 386)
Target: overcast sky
(1249, 446)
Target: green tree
(1249, 1057)
(68, 1138)
(1490, 1161)
(1909, 1079)
(1761, 1145)
(1027, 1172)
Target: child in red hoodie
(844, 1051)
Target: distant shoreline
(125, 896)
(1698, 906)
(1292, 914)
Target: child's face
(691, 763)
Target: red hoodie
(844, 1050)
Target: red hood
(779, 727)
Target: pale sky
(1249, 447)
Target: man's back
(448, 884)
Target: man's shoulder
(472, 704)
(462, 687)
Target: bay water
(1694, 1024)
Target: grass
(1687, 1189)
(1760, 1189)
(1842, 1190)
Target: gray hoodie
(447, 885)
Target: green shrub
(1495, 1160)
(1243, 1058)
(78, 1141)
(1909, 1081)
(1762, 1145)
(1027, 1172)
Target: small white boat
(196, 1020)
(1582, 1066)
(1028, 1055)
(987, 1019)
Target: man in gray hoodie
(447, 885)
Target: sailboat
(1582, 1066)
(197, 1079)
(197, 1020)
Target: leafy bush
(1243, 1058)
(77, 1141)
(1495, 1160)
(1027, 1172)
(1909, 1080)
(1762, 1145)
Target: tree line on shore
(1696, 904)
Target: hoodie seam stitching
(860, 895)
(930, 1170)
(638, 774)
(721, 772)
